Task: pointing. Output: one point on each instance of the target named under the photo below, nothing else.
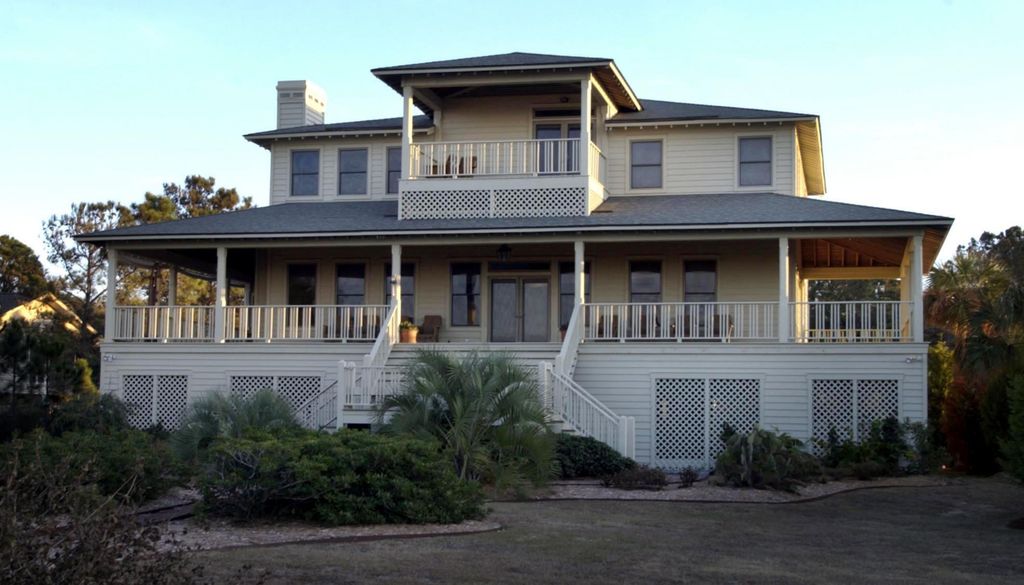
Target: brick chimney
(300, 103)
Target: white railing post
(221, 300)
(784, 321)
(396, 277)
(583, 158)
(110, 320)
(916, 290)
(344, 371)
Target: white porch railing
(372, 384)
(387, 339)
(164, 323)
(746, 321)
(320, 411)
(587, 414)
(565, 361)
(851, 321)
(598, 165)
(303, 322)
(555, 156)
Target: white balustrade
(586, 414)
(304, 322)
(372, 384)
(555, 156)
(745, 321)
(163, 323)
(851, 321)
(320, 412)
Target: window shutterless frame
(350, 283)
(394, 169)
(645, 281)
(304, 173)
(466, 293)
(755, 155)
(352, 171)
(646, 164)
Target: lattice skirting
(836, 403)
(155, 399)
(296, 390)
(476, 203)
(690, 413)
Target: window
(394, 168)
(755, 161)
(567, 290)
(305, 172)
(408, 289)
(350, 285)
(352, 172)
(645, 164)
(645, 281)
(465, 293)
(700, 281)
(302, 284)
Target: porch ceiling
(866, 252)
(198, 262)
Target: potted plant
(407, 332)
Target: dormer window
(305, 172)
(645, 164)
(352, 171)
(755, 161)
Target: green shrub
(639, 477)
(349, 477)
(221, 416)
(580, 456)
(687, 476)
(1013, 445)
(891, 448)
(763, 459)
(121, 462)
(89, 412)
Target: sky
(920, 101)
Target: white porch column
(785, 324)
(917, 288)
(111, 296)
(584, 154)
(407, 128)
(396, 277)
(221, 299)
(172, 286)
(579, 279)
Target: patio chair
(430, 330)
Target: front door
(519, 309)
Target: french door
(520, 309)
(556, 156)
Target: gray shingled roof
(418, 122)
(658, 110)
(503, 60)
(724, 211)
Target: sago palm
(485, 411)
(219, 415)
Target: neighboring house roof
(44, 307)
(679, 212)
(659, 110)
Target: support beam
(916, 288)
(584, 154)
(407, 129)
(852, 273)
(784, 283)
(396, 276)
(579, 279)
(172, 286)
(111, 296)
(221, 299)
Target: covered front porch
(511, 290)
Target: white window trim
(771, 166)
(629, 165)
(319, 174)
(337, 171)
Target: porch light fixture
(504, 253)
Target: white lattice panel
(679, 422)
(171, 400)
(736, 402)
(296, 390)
(137, 392)
(448, 204)
(246, 386)
(540, 202)
(831, 408)
(876, 400)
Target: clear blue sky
(921, 102)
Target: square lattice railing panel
(679, 422)
(246, 386)
(876, 400)
(171, 400)
(296, 390)
(732, 401)
(137, 393)
(479, 203)
(850, 406)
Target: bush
(350, 477)
(103, 413)
(1013, 445)
(687, 476)
(126, 462)
(639, 477)
(580, 456)
(28, 415)
(891, 448)
(221, 416)
(763, 459)
(54, 528)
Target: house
(650, 258)
(46, 307)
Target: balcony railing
(304, 322)
(753, 321)
(164, 323)
(555, 156)
(852, 321)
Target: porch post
(916, 289)
(407, 128)
(396, 277)
(111, 295)
(579, 279)
(221, 299)
(172, 286)
(584, 154)
(784, 283)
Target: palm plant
(219, 415)
(485, 411)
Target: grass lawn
(951, 534)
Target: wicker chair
(430, 330)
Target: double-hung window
(305, 172)
(465, 294)
(350, 285)
(394, 168)
(352, 171)
(302, 284)
(755, 161)
(645, 281)
(645, 164)
(700, 281)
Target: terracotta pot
(408, 335)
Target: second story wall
(497, 118)
(328, 176)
